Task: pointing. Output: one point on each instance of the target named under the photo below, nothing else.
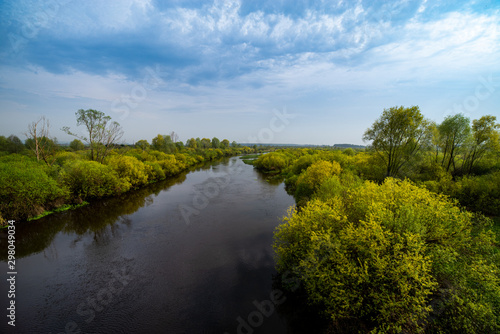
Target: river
(192, 254)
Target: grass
(249, 156)
(62, 208)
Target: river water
(192, 254)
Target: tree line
(400, 237)
(401, 134)
(40, 175)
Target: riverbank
(30, 189)
(210, 268)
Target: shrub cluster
(29, 187)
(393, 258)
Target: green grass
(249, 156)
(62, 208)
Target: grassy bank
(31, 189)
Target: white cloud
(457, 42)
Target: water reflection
(103, 218)
(211, 270)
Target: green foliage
(76, 145)
(274, 161)
(91, 179)
(312, 178)
(394, 257)
(215, 142)
(130, 170)
(154, 171)
(191, 143)
(304, 162)
(485, 137)
(397, 136)
(63, 157)
(26, 187)
(453, 133)
(11, 144)
(163, 144)
(349, 151)
(142, 144)
(102, 133)
(479, 193)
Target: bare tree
(174, 136)
(39, 140)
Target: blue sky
(304, 72)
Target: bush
(302, 163)
(129, 169)
(274, 162)
(63, 157)
(310, 180)
(154, 171)
(26, 189)
(479, 193)
(395, 258)
(90, 179)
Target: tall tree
(206, 143)
(453, 132)
(215, 142)
(191, 143)
(103, 134)
(397, 136)
(158, 143)
(224, 143)
(485, 136)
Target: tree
(158, 143)
(215, 142)
(163, 143)
(174, 136)
(206, 143)
(142, 144)
(191, 143)
(38, 139)
(435, 138)
(76, 145)
(453, 132)
(485, 136)
(224, 143)
(397, 136)
(14, 144)
(4, 144)
(102, 133)
(179, 146)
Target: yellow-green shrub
(155, 172)
(26, 188)
(91, 179)
(311, 179)
(274, 161)
(394, 257)
(129, 169)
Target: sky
(281, 71)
